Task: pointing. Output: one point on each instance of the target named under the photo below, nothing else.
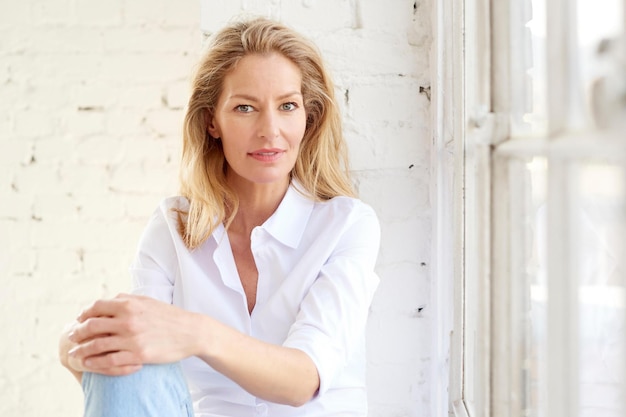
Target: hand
(117, 336)
(65, 345)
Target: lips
(267, 155)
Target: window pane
(528, 69)
(599, 218)
(529, 293)
(537, 316)
(600, 79)
(600, 246)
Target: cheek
(298, 129)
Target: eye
(288, 106)
(244, 108)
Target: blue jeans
(153, 391)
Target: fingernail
(72, 351)
(71, 335)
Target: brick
(177, 94)
(136, 151)
(420, 31)
(55, 206)
(72, 68)
(403, 146)
(6, 126)
(35, 124)
(14, 152)
(147, 68)
(140, 97)
(139, 180)
(395, 203)
(153, 39)
(162, 14)
(397, 101)
(313, 15)
(101, 13)
(405, 289)
(59, 262)
(369, 53)
(127, 122)
(100, 206)
(64, 40)
(413, 250)
(18, 14)
(165, 122)
(140, 207)
(79, 123)
(100, 150)
(216, 13)
(17, 263)
(45, 234)
(138, 13)
(104, 261)
(83, 179)
(378, 16)
(33, 178)
(181, 14)
(48, 13)
(15, 206)
(15, 238)
(54, 150)
(12, 43)
(95, 96)
(46, 95)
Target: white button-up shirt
(316, 281)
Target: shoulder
(171, 208)
(346, 208)
(174, 203)
(165, 218)
(341, 215)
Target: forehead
(263, 72)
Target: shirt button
(261, 409)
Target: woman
(253, 287)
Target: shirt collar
(289, 221)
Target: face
(260, 119)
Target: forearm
(274, 373)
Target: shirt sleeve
(153, 268)
(333, 314)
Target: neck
(257, 202)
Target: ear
(211, 127)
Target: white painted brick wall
(91, 105)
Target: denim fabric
(153, 391)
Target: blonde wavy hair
(322, 164)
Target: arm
(276, 373)
(115, 336)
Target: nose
(268, 126)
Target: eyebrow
(252, 98)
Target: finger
(99, 346)
(109, 308)
(112, 362)
(120, 370)
(93, 328)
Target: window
(534, 184)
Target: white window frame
(463, 132)
(473, 99)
